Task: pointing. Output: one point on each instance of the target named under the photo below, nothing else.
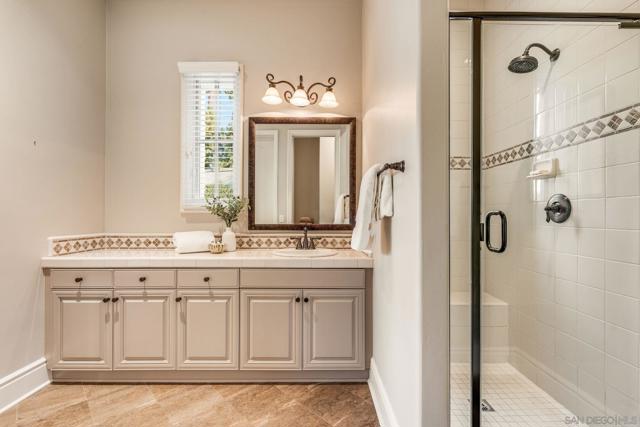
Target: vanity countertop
(168, 258)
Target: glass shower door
(557, 189)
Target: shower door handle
(503, 227)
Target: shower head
(526, 63)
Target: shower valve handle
(555, 207)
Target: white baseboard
(381, 401)
(23, 383)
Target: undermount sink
(311, 253)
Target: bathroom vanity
(118, 315)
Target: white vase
(229, 240)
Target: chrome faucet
(305, 242)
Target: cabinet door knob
(298, 299)
(206, 279)
(115, 299)
(178, 299)
(306, 299)
(106, 299)
(78, 279)
(142, 279)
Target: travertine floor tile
(195, 405)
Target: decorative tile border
(609, 124)
(66, 245)
(459, 163)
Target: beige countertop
(168, 258)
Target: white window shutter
(211, 131)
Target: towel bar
(398, 166)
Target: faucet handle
(312, 242)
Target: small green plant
(227, 207)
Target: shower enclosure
(545, 219)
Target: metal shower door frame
(627, 20)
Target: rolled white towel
(192, 241)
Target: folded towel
(192, 241)
(339, 211)
(385, 197)
(363, 231)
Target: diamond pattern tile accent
(596, 128)
(70, 245)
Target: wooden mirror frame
(351, 121)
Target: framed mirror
(302, 173)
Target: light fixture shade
(271, 96)
(328, 100)
(299, 98)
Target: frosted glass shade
(328, 100)
(271, 96)
(299, 98)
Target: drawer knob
(142, 279)
(115, 299)
(106, 299)
(78, 279)
(207, 279)
(178, 299)
(306, 299)
(298, 299)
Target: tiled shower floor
(517, 401)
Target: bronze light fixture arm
(312, 96)
(287, 93)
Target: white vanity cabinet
(144, 329)
(208, 328)
(271, 335)
(333, 329)
(302, 319)
(193, 324)
(80, 329)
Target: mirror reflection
(302, 174)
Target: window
(211, 131)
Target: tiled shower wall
(573, 289)
(460, 174)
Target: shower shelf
(544, 169)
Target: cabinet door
(144, 329)
(270, 329)
(208, 329)
(81, 332)
(333, 329)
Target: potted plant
(228, 208)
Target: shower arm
(553, 54)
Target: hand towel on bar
(363, 230)
(338, 213)
(192, 241)
(385, 196)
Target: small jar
(216, 247)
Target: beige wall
(146, 38)
(391, 86)
(52, 86)
(306, 186)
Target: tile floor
(223, 405)
(517, 401)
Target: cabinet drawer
(301, 278)
(144, 278)
(81, 279)
(217, 278)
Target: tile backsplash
(65, 245)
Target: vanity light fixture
(298, 96)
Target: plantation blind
(211, 131)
